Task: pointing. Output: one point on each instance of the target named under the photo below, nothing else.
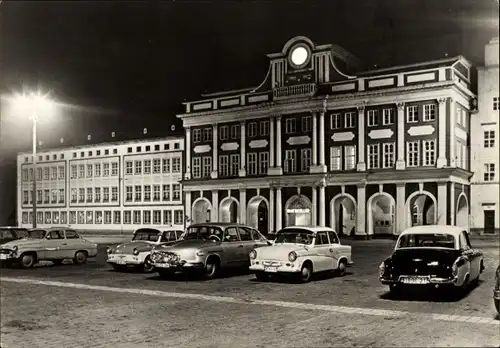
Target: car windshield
(148, 234)
(202, 232)
(427, 240)
(37, 234)
(296, 236)
(6, 233)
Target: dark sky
(142, 59)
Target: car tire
(305, 273)
(80, 257)
(27, 260)
(212, 268)
(148, 266)
(342, 268)
(261, 276)
(57, 262)
(165, 274)
(497, 305)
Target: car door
(475, 256)
(321, 252)
(335, 250)
(71, 244)
(53, 243)
(232, 247)
(466, 253)
(247, 241)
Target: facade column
(442, 160)
(279, 163)
(243, 206)
(271, 142)
(451, 139)
(401, 213)
(271, 210)
(314, 159)
(322, 139)
(442, 201)
(400, 163)
(215, 206)
(452, 204)
(361, 166)
(279, 213)
(215, 159)
(187, 175)
(243, 159)
(314, 210)
(361, 212)
(322, 208)
(187, 206)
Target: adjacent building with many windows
(368, 154)
(111, 186)
(485, 215)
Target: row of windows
(234, 131)
(154, 166)
(93, 195)
(94, 170)
(45, 173)
(147, 148)
(290, 164)
(419, 152)
(155, 193)
(97, 153)
(47, 196)
(136, 217)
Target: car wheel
(306, 273)
(80, 257)
(57, 262)
(148, 266)
(497, 305)
(119, 268)
(212, 268)
(27, 260)
(342, 268)
(261, 276)
(165, 274)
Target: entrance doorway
(201, 211)
(343, 214)
(229, 210)
(298, 211)
(489, 221)
(258, 214)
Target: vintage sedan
(432, 256)
(52, 244)
(10, 233)
(301, 250)
(208, 248)
(496, 290)
(136, 253)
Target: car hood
(281, 251)
(140, 245)
(22, 243)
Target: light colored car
(302, 251)
(207, 248)
(52, 244)
(432, 256)
(496, 290)
(136, 253)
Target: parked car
(136, 253)
(301, 251)
(208, 248)
(432, 256)
(496, 290)
(52, 244)
(9, 233)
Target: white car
(136, 253)
(301, 251)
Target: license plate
(120, 261)
(4, 256)
(271, 269)
(415, 280)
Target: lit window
(388, 153)
(429, 112)
(429, 152)
(373, 156)
(412, 153)
(335, 158)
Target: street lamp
(33, 105)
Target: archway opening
(298, 211)
(258, 214)
(201, 211)
(462, 216)
(422, 210)
(344, 215)
(229, 210)
(382, 210)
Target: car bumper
(180, 267)
(427, 281)
(125, 260)
(258, 266)
(8, 257)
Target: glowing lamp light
(33, 104)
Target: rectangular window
(335, 121)
(373, 156)
(305, 159)
(90, 170)
(138, 193)
(207, 166)
(98, 217)
(306, 123)
(290, 125)
(81, 195)
(166, 192)
(412, 152)
(263, 162)
(412, 114)
(252, 163)
(147, 166)
(335, 158)
(223, 165)
(72, 217)
(53, 196)
(107, 217)
(166, 165)
(350, 157)
(105, 194)
(489, 172)
(167, 217)
(372, 118)
(97, 198)
(39, 173)
(196, 135)
(178, 217)
(207, 134)
(114, 194)
(489, 138)
(25, 218)
(459, 154)
(156, 217)
(146, 217)
(252, 129)
(196, 167)
(176, 192)
(264, 128)
(90, 217)
(89, 194)
(55, 217)
(53, 173)
(290, 161)
(46, 173)
(235, 165)
(25, 197)
(129, 193)
(105, 171)
(138, 167)
(74, 196)
(156, 166)
(388, 116)
(147, 193)
(114, 169)
(97, 169)
(176, 165)
(235, 131)
(61, 172)
(137, 217)
(61, 196)
(429, 152)
(350, 120)
(127, 217)
(429, 112)
(116, 217)
(25, 174)
(31, 173)
(389, 155)
(156, 193)
(223, 130)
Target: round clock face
(299, 55)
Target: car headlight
(253, 254)
(200, 253)
(135, 252)
(292, 256)
(381, 269)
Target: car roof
(53, 228)
(160, 229)
(220, 224)
(311, 228)
(428, 229)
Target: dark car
(432, 256)
(496, 290)
(10, 233)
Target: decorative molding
(401, 105)
(460, 133)
(257, 144)
(302, 140)
(361, 108)
(202, 148)
(430, 76)
(381, 133)
(229, 146)
(230, 102)
(344, 136)
(344, 87)
(388, 81)
(421, 130)
(202, 106)
(258, 98)
(442, 100)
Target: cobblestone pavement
(356, 310)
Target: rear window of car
(6, 233)
(148, 234)
(427, 240)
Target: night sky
(140, 60)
